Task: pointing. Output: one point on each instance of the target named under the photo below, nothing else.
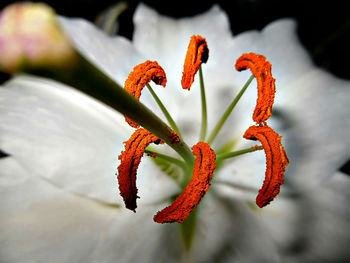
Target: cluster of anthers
(205, 156)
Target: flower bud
(31, 37)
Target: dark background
(323, 26)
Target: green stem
(224, 156)
(87, 78)
(228, 111)
(167, 158)
(236, 186)
(228, 146)
(164, 110)
(188, 228)
(204, 107)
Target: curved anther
(266, 84)
(140, 77)
(130, 160)
(203, 172)
(276, 161)
(197, 53)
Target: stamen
(197, 53)
(130, 160)
(266, 84)
(203, 172)
(223, 156)
(228, 111)
(276, 161)
(168, 158)
(139, 77)
(167, 115)
(204, 108)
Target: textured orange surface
(174, 137)
(140, 77)
(266, 84)
(203, 172)
(276, 161)
(130, 160)
(197, 53)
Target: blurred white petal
(318, 110)
(70, 139)
(42, 223)
(115, 56)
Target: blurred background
(323, 26)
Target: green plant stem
(224, 156)
(167, 158)
(188, 229)
(85, 77)
(204, 124)
(164, 110)
(228, 111)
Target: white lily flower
(59, 194)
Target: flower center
(200, 172)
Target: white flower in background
(59, 196)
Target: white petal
(71, 140)
(318, 138)
(42, 223)
(318, 222)
(115, 56)
(308, 223)
(166, 39)
(133, 237)
(222, 226)
(328, 216)
(242, 176)
(283, 221)
(227, 229)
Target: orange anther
(130, 160)
(276, 161)
(140, 77)
(197, 53)
(175, 138)
(266, 84)
(203, 172)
